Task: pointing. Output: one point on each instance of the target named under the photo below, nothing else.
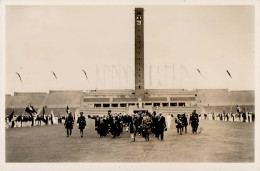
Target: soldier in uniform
(69, 124)
(82, 123)
(146, 125)
(194, 121)
(179, 124)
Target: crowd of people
(142, 123)
(240, 116)
(29, 121)
(30, 118)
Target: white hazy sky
(100, 40)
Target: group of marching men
(230, 117)
(240, 116)
(140, 123)
(34, 119)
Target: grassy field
(216, 142)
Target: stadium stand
(20, 100)
(120, 101)
(60, 99)
(219, 97)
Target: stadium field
(215, 142)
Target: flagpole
(96, 76)
(173, 78)
(166, 75)
(181, 76)
(112, 78)
(104, 78)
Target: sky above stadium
(178, 40)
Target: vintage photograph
(130, 83)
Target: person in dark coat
(97, 122)
(69, 124)
(185, 122)
(194, 121)
(253, 117)
(47, 120)
(244, 116)
(133, 125)
(161, 125)
(154, 125)
(114, 127)
(103, 127)
(82, 123)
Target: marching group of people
(142, 123)
(29, 119)
(230, 117)
(240, 116)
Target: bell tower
(139, 52)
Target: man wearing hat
(82, 123)
(194, 121)
(69, 124)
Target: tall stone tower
(139, 52)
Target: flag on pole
(29, 109)
(85, 74)
(19, 77)
(201, 74)
(229, 74)
(11, 116)
(52, 117)
(67, 110)
(43, 115)
(54, 75)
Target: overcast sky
(100, 39)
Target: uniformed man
(146, 126)
(179, 124)
(69, 124)
(194, 121)
(82, 123)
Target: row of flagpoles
(33, 113)
(109, 69)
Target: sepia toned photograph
(130, 84)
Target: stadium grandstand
(98, 102)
